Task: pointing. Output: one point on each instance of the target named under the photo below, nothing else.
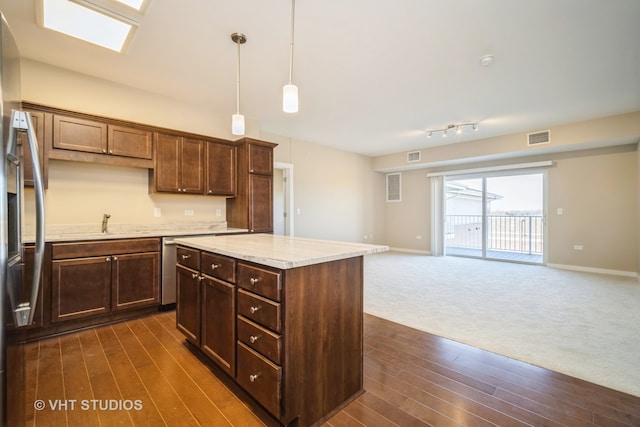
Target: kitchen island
(282, 316)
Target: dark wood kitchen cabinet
(92, 136)
(252, 208)
(221, 169)
(206, 301)
(98, 277)
(179, 164)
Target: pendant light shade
(290, 98)
(290, 91)
(237, 120)
(237, 124)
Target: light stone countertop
(280, 251)
(76, 232)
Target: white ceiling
(374, 74)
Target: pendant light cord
(238, 81)
(293, 12)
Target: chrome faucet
(105, 220)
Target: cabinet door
(260, 159)
(42, 126)
(80, 287)
(188, 303)
(71, 133)
(221, 169)
(167, 170)
(134, 280)
(130, 142)
(218, 322)
(192, 166)
(260, 203)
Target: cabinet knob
(253, 377)
(254, 309)
(194, 275)
(254, 338)
(186, 256)
(214, 266)
(104, 151)
(108, 259)
(200, 278)
(254, 280)
(110, 151)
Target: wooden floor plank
(132, 388)
(231, 406)
(77, 385)
(411, 378)
(173, 409)
(32, 354)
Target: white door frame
(287, 173)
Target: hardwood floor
(411, 379)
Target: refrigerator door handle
(25, 312)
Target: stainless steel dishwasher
(168, 289)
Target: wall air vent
(538, 138)
(394, 187)
(413, 156)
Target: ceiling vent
(413, 156)
(394, 187)
(538, 138)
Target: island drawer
(259, 377)
(260, 280)
(260, 310)
(219, 266)
(188, 257)
(260, 339)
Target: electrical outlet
(419, 237)
(188, 212)
(578, 247)
(157, 212)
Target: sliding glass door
(495, 217)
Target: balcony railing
(512, 233)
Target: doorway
(282, 199)
(498, 217)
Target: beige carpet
(581, 324)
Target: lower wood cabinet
(100, 277)
(205, 306)
(292, 338)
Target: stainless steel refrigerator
(17, 298)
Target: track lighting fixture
(458, 129)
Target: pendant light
(237, 120)
(290, 91)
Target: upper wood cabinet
(252, 208)
(221, 169)
(260, 158)
(73, 133)
(179, 164)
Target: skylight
(136, 4)
(86, 24)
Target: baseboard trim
(410, 251)
(595, 270)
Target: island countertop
(282, 252)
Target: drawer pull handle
(254, 280)
(186, 256)
(253, 377)
(214, 266)
(253, 309)
(254, 338)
